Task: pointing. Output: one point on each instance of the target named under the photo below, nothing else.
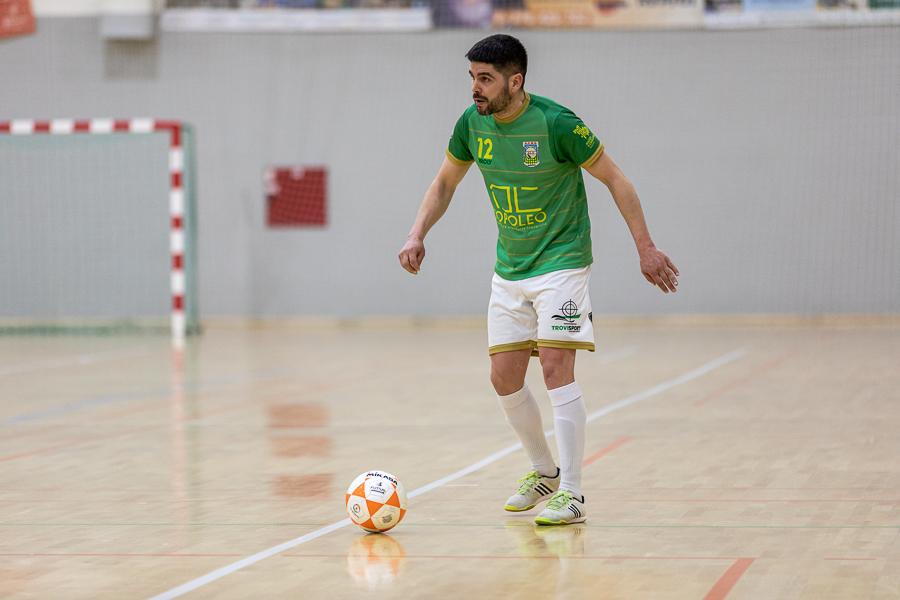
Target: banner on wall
(779, 5)
(16, 17)
(842, 4)
(607, 14)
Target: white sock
(569, 417)
(523, 414)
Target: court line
(408, 556)
(76, 443)
(269, 552)
(432, 524)
(728, 579)
(521, 557)
(891, 502)
(458, 525)
(604, 451)
(736, 383)
(82, 404)
(79, 360)
(95, 402)
(117, 554)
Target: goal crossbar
(176, 130)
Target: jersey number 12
(485, 148)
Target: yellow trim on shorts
(566, 345)
(593, 158)
(526, 345)
(534, 345)
(458, 161)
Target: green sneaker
(533, 488)
(562, 509)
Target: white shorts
(551, 310)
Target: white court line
(633, 399)
(667, 385)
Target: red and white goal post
(183, 317)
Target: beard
(498, 104)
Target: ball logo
(355, 508)
(387, 476)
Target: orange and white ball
(376, 501)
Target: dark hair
(504, 52)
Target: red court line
(728, 579)
(33, 432)
(76, 443)
(604, 451)
(736, 383)
(524, 557)
(114, 554)
(240, 405)
(759, 500)
(44, 499)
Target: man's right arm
(434, 205)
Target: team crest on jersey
(530, 156)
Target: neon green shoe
(562, 509)
(533, 488)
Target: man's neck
(514, 107)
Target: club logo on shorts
(568, 315)
(569, 312)
(530, 154)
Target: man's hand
(434, 205)
(659, 270)
(412, 254)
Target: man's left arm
(657, 268)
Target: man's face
(491, 90)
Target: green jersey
(531, 164)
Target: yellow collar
(520, 112)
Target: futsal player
(531, 151)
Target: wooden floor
(744, 462)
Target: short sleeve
(458, 148)
(573, 140)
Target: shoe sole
(511, 508)
(549, 522)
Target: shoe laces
(527, 483)
(559, 499)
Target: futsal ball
(376, 501)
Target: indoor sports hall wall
(767, 160)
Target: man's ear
(516, 82)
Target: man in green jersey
(530, 151)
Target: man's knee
(558, 365)
(508, 371)
(506, 382)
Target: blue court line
(80, 405)
(108, 399)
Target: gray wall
(767, 161)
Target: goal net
(97, 227)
